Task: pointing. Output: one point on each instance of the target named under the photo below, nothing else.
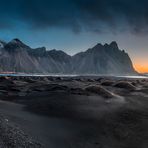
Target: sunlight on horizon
(142, 68)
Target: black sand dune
(79, 112)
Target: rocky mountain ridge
(15, 56)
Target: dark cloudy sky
(75, 25)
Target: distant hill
(15, 56)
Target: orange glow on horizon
(141, 68)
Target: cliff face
(15, 56)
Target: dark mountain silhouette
(15, 56)
(103, 59)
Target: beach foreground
(73, 112)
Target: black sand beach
(73, 112)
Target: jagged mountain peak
(99, 45)
(57, 52)
(41, 51)
(16, 41)
(2, 44)
(16, 44)
(106, 47)
(114, 45)
(103, 59)
(94, 49)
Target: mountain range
(15, 56)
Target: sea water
(74, 75)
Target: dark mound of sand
(126, 85)
(107, 83)
(100, 91)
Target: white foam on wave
(134, 77)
